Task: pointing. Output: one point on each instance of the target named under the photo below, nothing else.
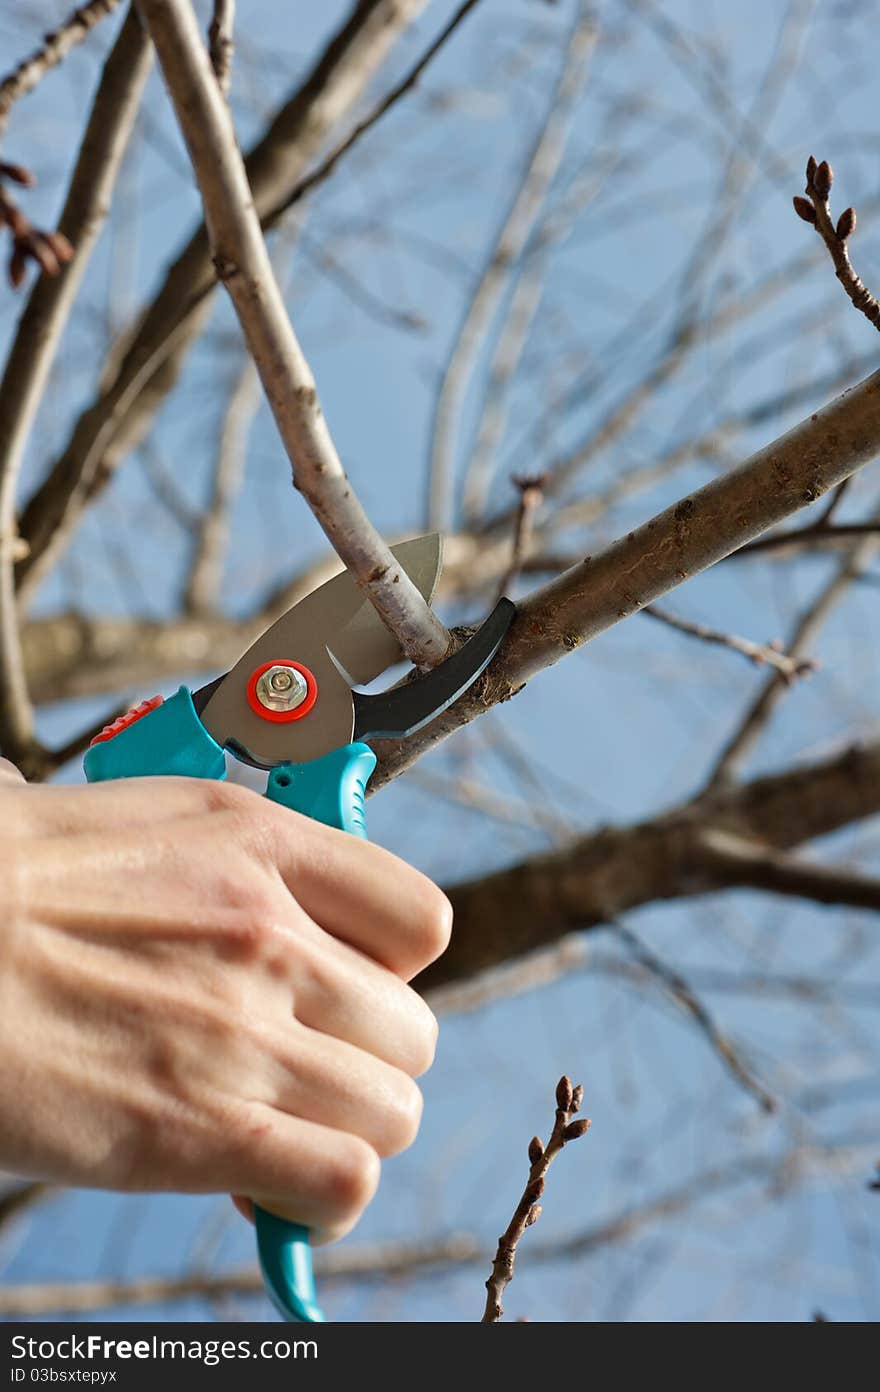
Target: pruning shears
(288, 706)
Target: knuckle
(434, 928)
(405, 1115)
(428, 1033)
(351, 1179)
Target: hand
(201, 991)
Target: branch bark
(54, 49)
(680, 542)
(242, 263)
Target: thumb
(9, 773)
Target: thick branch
(242, 263)
(695, 848)
(688, 537)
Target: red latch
(122, 722)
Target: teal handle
(331, 790)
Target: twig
(330, 161)
(221, 45)
(49, 250)
(531, 494)
(761, 654)
(540, 170)
(243, 264)
(528, 1210)
(804, 633)
(684, 995)
(815, 535)
(54, 49)
(815, 209)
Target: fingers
(330, 1082)
(363, 895)
(300, 1170)
(339, 991)
(9, 773)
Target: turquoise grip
(169, 739)
(329, 790)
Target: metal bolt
(281, 689)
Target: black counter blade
(405, 709)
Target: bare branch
(146, 363)
(538, 175)
(38, 335)
(221, 45)
(330, 161)
(835, 236)
(804, 634)
(528, 1210)
(529, 906)
(686, 538)
(761, 654)
(243, 264)
(212, 528)
(682, 992)
(530, 498)
(53, 50)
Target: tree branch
(787, 666)
(221, 45)
(601, 876)
(820, 177)
(540, 170)
(54, 49)
(686, 538)
(145, 364)
(39, 332)
(242, 263)
(528, 1210)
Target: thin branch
(530, 497)
(682, 992)
(243, 264)
(323, 171)
(539, 172)
(212, 529)
(54, 49)
(836, 236)
(36, 342)
(147, 359)
(803, 635)
(221, 44)
(819, 534)
(761, 654)
(528, 1210)
(381, 1261)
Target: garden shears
(288, 706)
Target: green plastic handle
(331, 790)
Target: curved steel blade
(405, 709)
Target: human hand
(201, 991)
